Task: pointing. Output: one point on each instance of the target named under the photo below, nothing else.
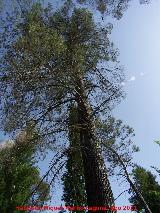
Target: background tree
(149, 188)
(19, 175)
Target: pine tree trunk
(73, 179)
(97, 185)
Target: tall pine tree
(53, 60)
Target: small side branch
(46, 175)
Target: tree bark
(98, 189)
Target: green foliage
(114, 8)
(16, 6)
(73, 179)
(19, 175)
(149, 188)
(41, 67)
(115, 134)
(38, 41)
(157, 142)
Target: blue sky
(137, 35)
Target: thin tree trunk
(133, 186)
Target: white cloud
(142, 73)
(123, 83)
(132, 78)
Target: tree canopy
(38, 81)
(149, 187)
(19, 175)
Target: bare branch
(47, 173)
(129, 179)
(96, 110)
(50, 108)
(121, 194)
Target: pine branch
(43, 178)
(121, 194)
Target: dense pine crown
(42, 67)
(57, 59)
